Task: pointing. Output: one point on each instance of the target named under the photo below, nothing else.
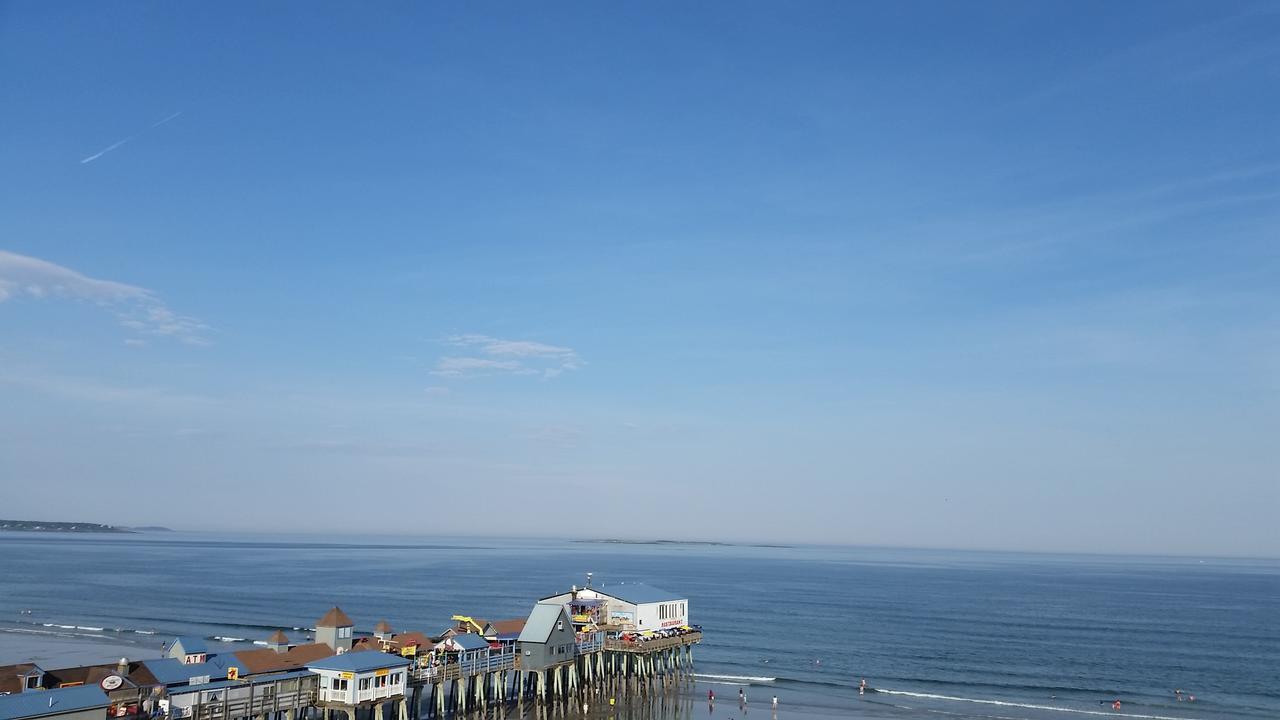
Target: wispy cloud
(119, 143)
(136, 308)
(493, 356)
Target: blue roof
(638, 593)
(174, 672)
(36, 704)
(191, 644)
(468, 641)
(359, 661)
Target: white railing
(468, 664)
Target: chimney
(122, 667)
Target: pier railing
(655, 644)
(466, 667)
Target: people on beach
(742, 697)
(711, 696)
(775, 702)
(1115, 705)
(862, 686)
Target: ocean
(962, 634)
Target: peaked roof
(52, 702)
(335, 618)
(542, 622)
(191, 644)
(638, 593)
(358, 662)
(278, 638)
(382, 627)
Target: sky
(962, 275)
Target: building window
(395, 678)
(364, 683)
(344, 632)
(33, 682)
(682, 608)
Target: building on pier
(547, 639)
(629, 606)
(357, 680)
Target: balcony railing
(654, 644)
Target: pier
(573, 647)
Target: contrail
(105, 150)
(156, 125)
(115, 145)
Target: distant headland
(700, 543)
(72, 527)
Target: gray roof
(542, 621)
(52, 702)
(638, 593)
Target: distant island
(707, 543)
(71, 527)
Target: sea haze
(977, 634)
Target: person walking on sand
(711, 696)
(742, 697)
(775, 702)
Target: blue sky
(997, 275)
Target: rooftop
(542, 621)
(191, 644)
(335, 618)
(358, 662)
(52, 702)
(638, 593)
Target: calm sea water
(969, 634)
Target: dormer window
(33, 682)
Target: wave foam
(735, 678)
(1029, 706)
